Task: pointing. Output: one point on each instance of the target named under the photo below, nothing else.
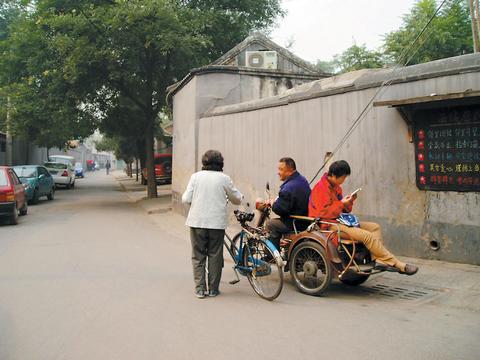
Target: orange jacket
(325, 201)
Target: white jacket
(208, 192)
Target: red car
(163, 169)
(12, 195)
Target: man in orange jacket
(327, 203)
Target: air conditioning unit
(262, 59)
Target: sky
(323, 28)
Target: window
(42, 171)
(3, 178)
(55, 165)
(25, 172)
(14, 177)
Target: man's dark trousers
(207, 243)
(276, 228)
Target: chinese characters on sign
(447, 149)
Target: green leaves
(72, 66)
(448, 35)
(358, 57)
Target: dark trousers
(207, 243)
(276, 228)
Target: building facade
(415, 153)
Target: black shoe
(213, 293)
(200, 294)
(409, 270)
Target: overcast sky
(323, 28)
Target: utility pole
(9, 139)
(477, 18)
(474, 19)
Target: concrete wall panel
(381, 156)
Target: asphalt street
(91, 275)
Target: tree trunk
(9, 138)
(136, 167)
(150, 158)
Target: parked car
(163, 169)
(79, 170)
(38, 182)
(63, 159)
(12, 195)
(62, 174)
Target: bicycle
(255, 257)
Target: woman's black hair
(339, 169)
(212, 160)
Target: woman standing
(208, 193)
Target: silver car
(62, 174)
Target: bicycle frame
(238, 258)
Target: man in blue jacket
(292, 200)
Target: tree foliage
(448, 35)
(107, 63)
(358, 57)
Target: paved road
(91, 276)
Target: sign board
(447, 148)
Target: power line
(367, 108)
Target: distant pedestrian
(108, 166)
(208, 192)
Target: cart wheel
(310, 268)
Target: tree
(119, 52)
(44, 108)
(448, 35)
(358, 57)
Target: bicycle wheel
(232, 244)
(266, 276)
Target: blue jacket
(292, 198)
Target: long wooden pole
(474, 26)
(477, 18)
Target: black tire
(14, 216)
(24, 210)
(167, 167)
(268, 285)
(73, 184)
(355, 281)
(51, 195)
(235, 243)
(68, 186)
(36, 197)
(310, 269)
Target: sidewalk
(437, 283)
